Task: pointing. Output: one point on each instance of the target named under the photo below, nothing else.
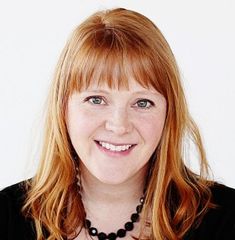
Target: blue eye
(144, 103)
(96, 100)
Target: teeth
(113, 147)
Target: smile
(114, 149)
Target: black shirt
(217, 224)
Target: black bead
(121, 233)
(142, 200)
(87, 223)
(93, 231)
(129, 226)
(135, 217)
(112, 236)
(139, 208)
(102, 236)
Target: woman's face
(115, 132)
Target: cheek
(81, 123)
(152, 128)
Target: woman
(112, 163)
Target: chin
(112, 180)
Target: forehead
(134, 89)
(131, 85)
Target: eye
(95, 100)
(144, 104)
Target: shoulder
(12, 222)
(223, 195)
(219, 222)
(12, 198)
(224, 199)
(15, 192)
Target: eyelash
(90, 98)
(94, 97)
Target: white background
(33, 33)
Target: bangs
(111, 58)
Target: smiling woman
(112, 164)
(115, 132)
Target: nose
(119, 122)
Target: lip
(113, 153)
(115, 144)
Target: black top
(218, 224)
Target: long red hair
(112, 46)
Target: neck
(95, 191)
(118, 202)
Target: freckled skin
(115, 116)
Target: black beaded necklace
(128, 226)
